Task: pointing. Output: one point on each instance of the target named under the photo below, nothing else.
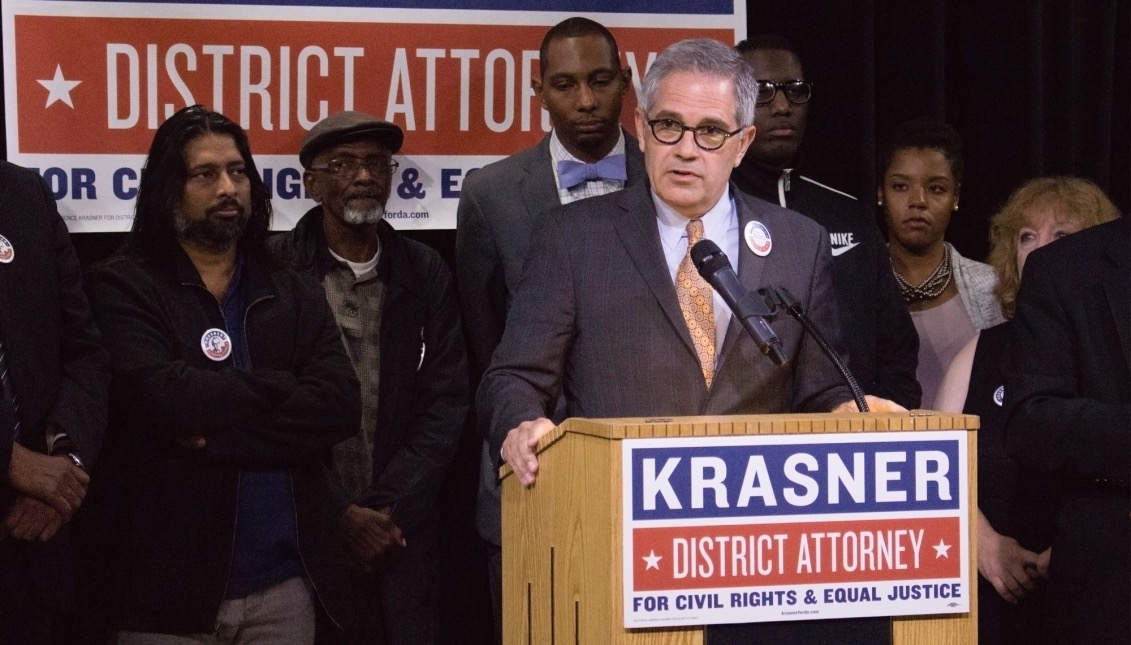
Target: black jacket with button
(54, 356)
(171, 509)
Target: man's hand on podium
(875, 404)
(518, 448)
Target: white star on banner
(942, 550)
(652, 560)
(59, 88)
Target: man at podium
(612, 314)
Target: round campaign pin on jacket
(758, 238)
(216, 344)
(7, 251)
(999, 395)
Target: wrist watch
(75, 460)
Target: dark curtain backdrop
(1035, 88)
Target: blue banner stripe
(792, 479)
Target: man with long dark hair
(229, 386)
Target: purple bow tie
(574, 173)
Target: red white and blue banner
(86, 84)
(794, 527)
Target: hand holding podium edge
(875, 404)
(518, 448)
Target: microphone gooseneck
(786, 300)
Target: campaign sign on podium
(744, 529)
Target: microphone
(713, 265)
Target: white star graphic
(652, 560)
(59, 88)
(942, 550)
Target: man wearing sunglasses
(395, 305)
(877, 330)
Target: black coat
(175, 508)
(883, 346)
(53, 352)
(423, 394)
(1068, 424)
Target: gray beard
(359, 216)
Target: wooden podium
(562, 538)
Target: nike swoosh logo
(841, 250)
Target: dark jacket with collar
(883, 346)
(423, 392)
(174, 508)
(55, 358)
(1067, 375)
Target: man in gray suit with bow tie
(582, 85)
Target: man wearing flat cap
(394, 304)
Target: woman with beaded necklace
(950, 297)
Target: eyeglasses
(795, 91)
(707, 137)
(348, 167)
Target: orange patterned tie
(696, 302)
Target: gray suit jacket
(596, 319)
(500, 207)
